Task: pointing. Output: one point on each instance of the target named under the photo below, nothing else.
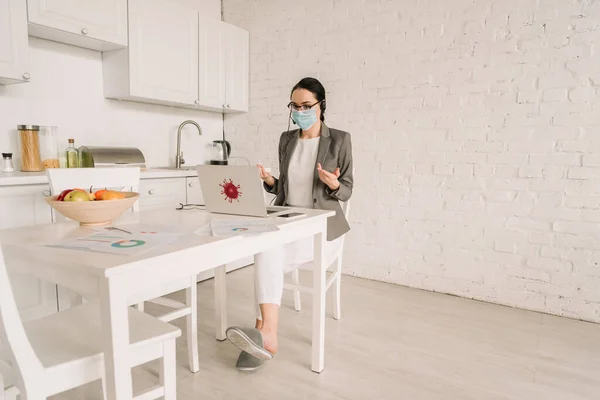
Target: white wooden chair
(7, 382)
(125, 178)
(64, 350)
(335, 279)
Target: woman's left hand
(329, 178)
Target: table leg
(191, 322)
(115, 331)
(221, 302)
(318, 326)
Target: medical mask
(305, 119)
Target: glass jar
(29, 144)
(49, 151)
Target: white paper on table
(119, 240)
(241, 227)
(204, 230)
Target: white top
(301, 173)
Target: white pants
(271, 265)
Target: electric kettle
(222, 150)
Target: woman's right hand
(265, 176)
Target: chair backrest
(346, 211)
(26, 366)
(121, 178)
(346, 205)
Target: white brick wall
(475, 131)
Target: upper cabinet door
(211, 79)
(237, 54)
(14, 60)
(176, 56)
(163, 51)
(96, 24)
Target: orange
(110, 195)
(99, 193)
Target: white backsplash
(66, 91)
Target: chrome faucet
(179, 161)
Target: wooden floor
(393, 343)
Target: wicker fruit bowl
(89, 213)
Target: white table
(120, 281)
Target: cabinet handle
(228, 105)
(84, 31)
(26, 75)
(47, 193)
(191, 184)
(197, 101)
(151, 192)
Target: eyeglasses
(303, 107)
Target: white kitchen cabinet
(177, 57)
(237, 53)
(161, 63)
(93, 24)
(211, 81)
(224, 66)
(194, 194)
(163, 51)
(157, 193)
(14, 53)
(24, 206)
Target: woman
(315, 164)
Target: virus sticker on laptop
(231, 191)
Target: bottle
(72, 155)
(7, 165)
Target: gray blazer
(335, 150)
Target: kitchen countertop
(19, 178)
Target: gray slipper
(248, 340)
(247, 362)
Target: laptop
(234, 189)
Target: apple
(62, 194)
(77, 195)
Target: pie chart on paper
(128, 243)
